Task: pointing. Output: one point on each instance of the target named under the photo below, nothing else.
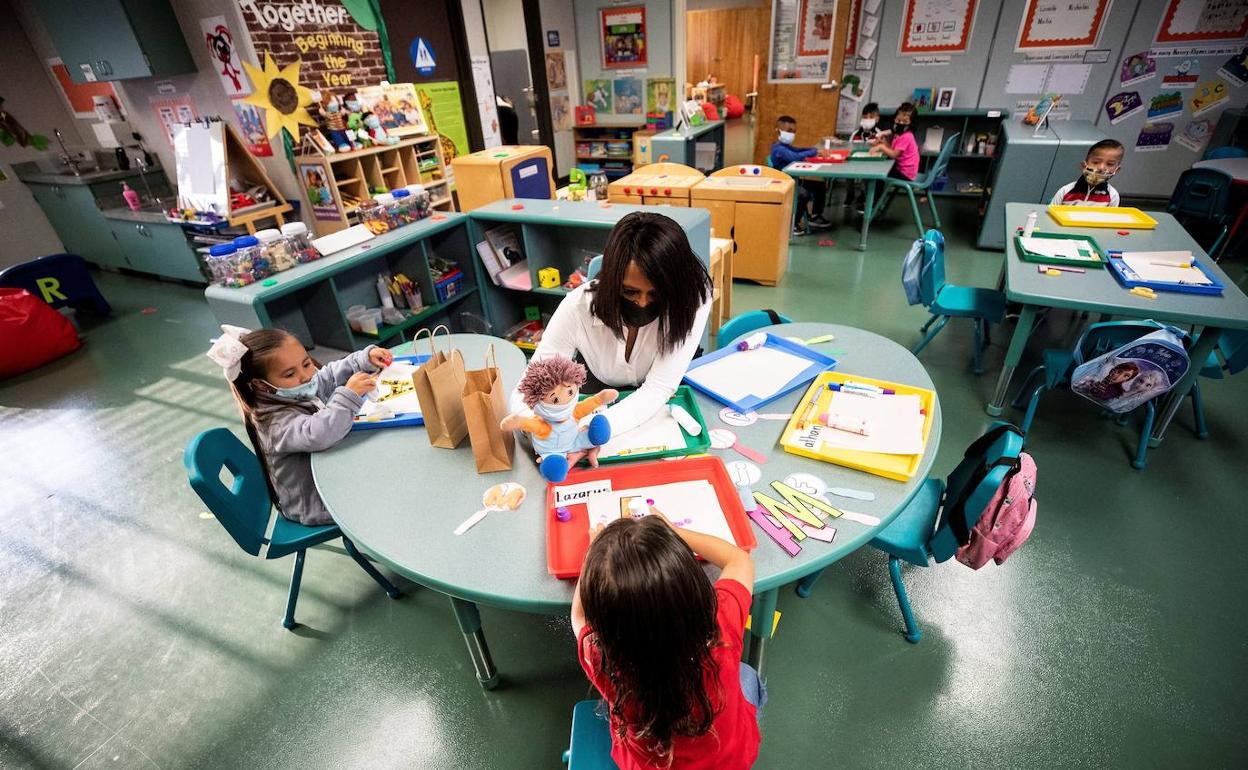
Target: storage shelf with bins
(965, 166)
(351, 177)
(560, 234)
(591, 145)
(311, 300)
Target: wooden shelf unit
(597, 136)
(352, 176)
(963, 166)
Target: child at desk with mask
(900, 145)
(809, 191)
(1092, 188)
(867, 131)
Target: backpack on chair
(918, 261)
(989, 507)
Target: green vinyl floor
(134, 633)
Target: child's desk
(501, 562)
(869, 171)
(1097, 291)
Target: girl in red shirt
(663, 645)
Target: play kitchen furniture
(115, 39)
(655, 185)
(699, 146)
(502, 561)
(752, 205)
(503, 172)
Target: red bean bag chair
(31, 333)
(733, 107)
(709, 111)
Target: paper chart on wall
(1192, 21)
(760, 372)
(936, 26)
(689, 504)
(1068, 79)
(659, 433)
(1048, 25)
(1026, 78)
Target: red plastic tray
(567, 541)
(833, 156)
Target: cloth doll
(376, 131)
(550, 388)
(336, 124)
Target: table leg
(762, 611)
(469, 618)
(867, 212)
(1022, 331)
(1206, 340)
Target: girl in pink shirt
(899, 144)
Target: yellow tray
(1102, 216)
(899, 467)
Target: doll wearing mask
(550, 387)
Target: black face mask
(633, 314)
(901, 128)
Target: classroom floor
(134, 633)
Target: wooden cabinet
(116, 39)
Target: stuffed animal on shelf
(550, 388)
(335, 124)
(376, 131)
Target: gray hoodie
(289, 429)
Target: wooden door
(723, 42)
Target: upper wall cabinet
(116, 39)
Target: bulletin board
(802, 34)
(1202, 21)
(936, 26)
(1051, 26)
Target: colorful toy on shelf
(335, 125)
(548, 277)
(376, 132)
(550, 387)
(585, 115)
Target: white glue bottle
(1031, 225)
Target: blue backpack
(1124, 376)
(918, 261)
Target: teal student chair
(590, 744)
(941, 515)
(744, 323)
(1201, 201)
(243, 508)
(1099, 338)
(945, 300)
(921, 184)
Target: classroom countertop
(142, 217)
(85, 178)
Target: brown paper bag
(439, 383)
(485, 405)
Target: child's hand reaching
(380, 358)
(362, 383)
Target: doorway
(722, 41)
(514, 82)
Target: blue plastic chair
(916, 537)
(922, 184)
(243, 508)
(945, 300)
(1231, 356)
(1226, 152)
(1202, 199)
(59, 280)
(1097, 339)
(744, 323)
(590, 745)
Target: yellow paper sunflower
(278, 91)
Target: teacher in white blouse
(638, 324)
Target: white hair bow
(228, 350)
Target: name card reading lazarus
(580, 493)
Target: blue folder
(818, 363)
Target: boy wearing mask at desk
(1092, 188)
(868, 129)
(808, 190)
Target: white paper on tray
(395, 391)
(895, 423)
(662, 430)
(761, 372)
(1143, 263)
(1059, 247)
(1107, 217)
(680, 501)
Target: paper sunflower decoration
(278, 91)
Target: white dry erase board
(199, 151)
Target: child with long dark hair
(293, 406)
(662, 644)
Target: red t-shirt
(733, 739)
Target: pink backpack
(1007, 520)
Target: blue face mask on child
(304, 392)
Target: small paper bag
(485, 405)
(439, 384)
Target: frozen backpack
(989, 507)
(918, 262)
(1130, 374)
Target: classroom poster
(1154, 137)
(220, 44)
(487, 107)
(1208, 96)
(173, 111)
(79, 97)
(936, 26)
(1123, 105)
(396, 106)
(659, 94)
(817, 19)
(556, 72)
(1137, 68)
(623, 37)
(629, 96)
(1164, 105)
(320, 198)
(598, 94)
(1195, 135)
(1182, 75)
(1048, 25)
(561, 112)
(1202, 21)
(855, 20)
(252, 129)
(800, 51)
(445, 117)
(1235, 70)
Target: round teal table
(501, 562)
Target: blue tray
(1128, 278)
(818, 363)
(402, 418)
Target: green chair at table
(945, 300)
(1201, 201)
(1099, 338)
(921, 184)
(941, 515)
(590, 745)
(243, 507)
(744, 323)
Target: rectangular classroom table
(1097, 291)
(869, 171)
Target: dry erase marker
(852, 390)
(752, 342)
(1060, 269)
(851, 385)
(1183, 265)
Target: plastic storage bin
(300, 244)
(250, 260)
(276, 249)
